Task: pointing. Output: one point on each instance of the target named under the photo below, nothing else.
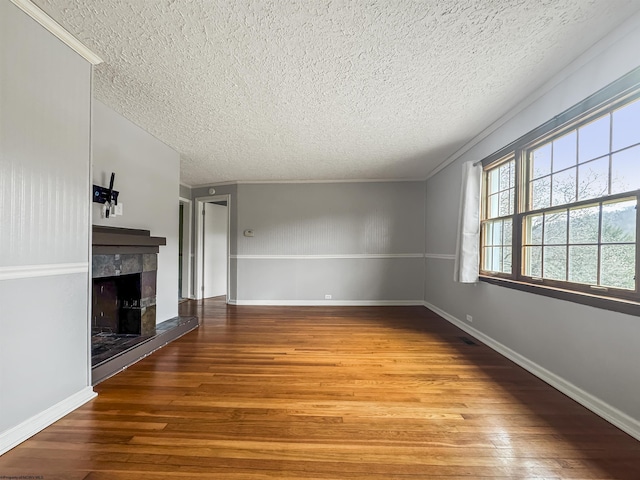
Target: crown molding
(298, 182)
(57, 30)
(361, 180)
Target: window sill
(615, 305)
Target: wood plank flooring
(325, 393)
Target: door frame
(199, 205)
(187, 256)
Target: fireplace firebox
(117, 304)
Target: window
(559, 208)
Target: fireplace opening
(117, 305)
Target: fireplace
(124, 271)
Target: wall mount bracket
(101, 194)
(106, 196)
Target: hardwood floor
(325, 393)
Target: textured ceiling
(323, 90)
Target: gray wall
(147, 177)
(45, 95)
(359, 242)
(592, 352)
(185, 192)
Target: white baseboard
(611, 414)
(328, 303)
(42, 420)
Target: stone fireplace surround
(129, 256)
(124, 273)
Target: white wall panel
(44, 139)
(147, 177)
(45, 114)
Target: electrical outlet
(327, 297)
(469, 318)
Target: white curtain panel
(467, 263)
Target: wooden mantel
(106, 240)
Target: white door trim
(199, 205)
(187, 255)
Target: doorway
(212, 252)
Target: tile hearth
(110, 353)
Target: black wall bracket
(101, 194)
(107, 196)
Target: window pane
(593, 179)
(583, 264)
(541, 159)
(564, 187)
(493, 181)
(541, 193)
(497, 259)
(488, 233)
(508, 231)
(593, 139)
(512, 201)
(555, 228)
(497, 233)
(504, 172)
(532, 261)
(487, 258)
(494, 206)
(505, 203)
(618, 266)
(625, 171)
(626, 126)
(506, 260)
(533, 225)
(512, 174)
(555, 263)
(619, 222)
(584, 224)
(564, 151)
